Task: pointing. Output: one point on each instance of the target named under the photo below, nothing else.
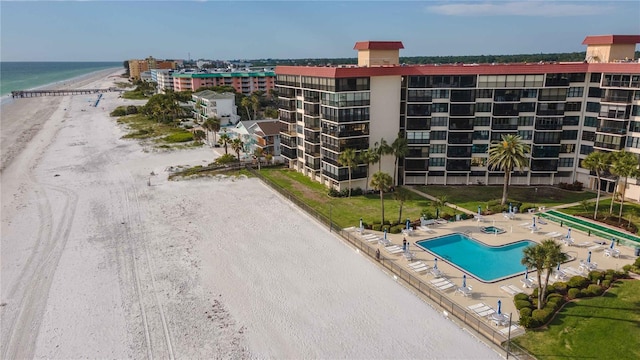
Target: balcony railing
(602, 145)
(612, 130)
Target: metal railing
(471, 320)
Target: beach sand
(97, 263)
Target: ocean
(29, 75)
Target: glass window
(438, 149)
(575, 92)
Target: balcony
(617, 99)
(624, 115)
(288, 153)
(612, 130)
(602, 145)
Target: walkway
(430, 197)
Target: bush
(595, 275)
(397, 229)
(526, 206)
(376, 227)
(560, 288)
(179, 137)
(541, 316)
(578, 282)
(226, 159)
(525, 311)
(132, 109)
(522, 304)
(573, 293)
(627, 267)
(594, 290)
(521, 296)
(119, 111)
(575, 186)
(528, 322)
(606, 284)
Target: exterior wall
(610, 53)
(384, 117)
(378, 57)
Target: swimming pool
(492, 230)
(483, 262)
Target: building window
(438, 149)
(436, 162)
(479, 148)
(592, 107)
(573, 106)
(483, 107)
(590, 121)
(588, 135)
(439, 135)
(439, 107)
(586, 149)
(565, 162)
(567, 148)
(633, 142)
(439, 121)
(595, 77)
(482, 121)
(571, 120)
(575, 92)
(418, 137)
(570, 135)
(525, 134)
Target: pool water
(483, 262)
(492, 230)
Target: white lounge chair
(525, 224)
(510, 289)
(409, 255)
(499, 319)
(583, 244)
(369, 236)
(483, 310)
(588, 266)
(511, 328)
(384, 242)
(595, 248)
(443, 284)
(571, 271)
(416, 264)
(393, 249)
(426, 229)
(476, 306)
(421, 268)
(528, 283)
(553, 234)
(568, 241)
(612, 252)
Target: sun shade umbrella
(589, 257)
(499, 307)
(408, 224)
(435, 263)
(613, 240)
(464, 280)
(569, 233)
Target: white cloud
(519, 8)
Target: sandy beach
(95, 263)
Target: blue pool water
(492, 230)
(483, 262)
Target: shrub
(606, 284)
(525, 311)
(627, 267)
(132, 109)
(522, 304)
(334, 193)
(578, 282)
(521, 296)
(575, 186)
(226, 159)
(356, 192)
(594, 290)
(541, 316)
(119, 111)
(495, 209)
(595, 275)
(573, 293)
(376, 227)
(528, 322)
(397, 229)
(179, 137)
(526, 206)
(560, 288)
(385, 227)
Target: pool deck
(490, 293)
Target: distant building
(245, 82)
(449, 115)
(164, 79)
(137, 67)
(209, 103)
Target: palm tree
(624, 164)
(247, 103)
(554, 257)
(258, 152)
(381, 149)
(507, 155)
(401, 195)
(597, 162)
(534, 257)
(212, 124)
(368, 157)
(348, 158)
(439, 203)
(237, 145)
(399, 149)
(199, 135)
(381, 181)
(225, 140)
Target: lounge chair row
(442, 284)
(511, 289)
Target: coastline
(21, 119)
(100, 259)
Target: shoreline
(59, 85)
(100, 259)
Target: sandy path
(96, 264)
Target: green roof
(225, 74)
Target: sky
(224, 30)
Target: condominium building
(164, 79)
(209, 104)
(244, 82)
(136, 66)
(449, 114)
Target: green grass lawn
(605, 327)
(630, 212)
(347, 211)
(469, 197)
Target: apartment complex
(164, 79)
(209, 104)
(244, 82)
(449, 115)
(136, 67)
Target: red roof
(378, 45)
(472, 69)
(611, 39)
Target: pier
(36, 93)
